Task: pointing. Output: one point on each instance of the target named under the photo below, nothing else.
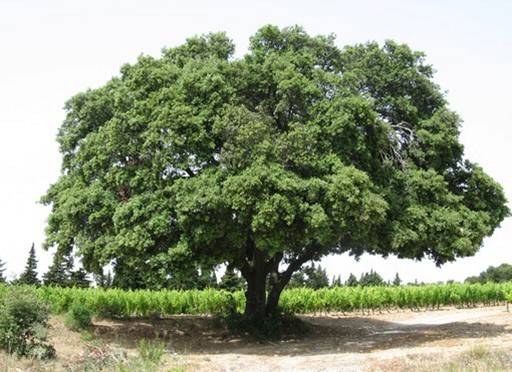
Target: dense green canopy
(296, 150)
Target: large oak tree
(296, 150)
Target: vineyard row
(143, 303)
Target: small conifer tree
(397, 281)
(29, 276)
(351, 281)
(3, 280)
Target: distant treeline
(62, 273)
(499, 274)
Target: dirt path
(354, 343)
(451, 316)
(398, 341)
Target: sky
(51, 50)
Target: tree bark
(256, 276)
(273, 299)
(256, 271)
(255, 297)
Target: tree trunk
(256, 270)
(273, 299)
(258, 303)
(256, 276)
(255, 297)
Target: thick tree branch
(279, 281)
(307, 255)
(272, 267)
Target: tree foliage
(397, 281)
(79, 279)
(352, 281)
(23, 324)
(59, 272)
(296, 150)
(498, 274)
(371, 279)
(231, 280)
(206, 279)
(104, 280)
(29, 276)
(298, 280)
(2, 272)
(310, 277)
(336, 281)
(317, 276)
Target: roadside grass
(93, 354)
(9, 363)
(96, 360)
(477, 358)
(481, 358)
(151, 356)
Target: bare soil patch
(397, 341)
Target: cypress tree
(351, 281)
(59, 273)
(3, 280)
(298, 280)
(397, 281)
(310, 277)
(106, 280)
(371, 279)
(336, 281)
(79, 279)
(207, 279)
(29, 276)
(316, 277)
(231, 281)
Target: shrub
(151, 352)
(79, 316)
(23, 324)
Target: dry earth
(382, 342)
(374, 343)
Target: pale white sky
(52, 49)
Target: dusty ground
(377, 342)
(385, 342)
